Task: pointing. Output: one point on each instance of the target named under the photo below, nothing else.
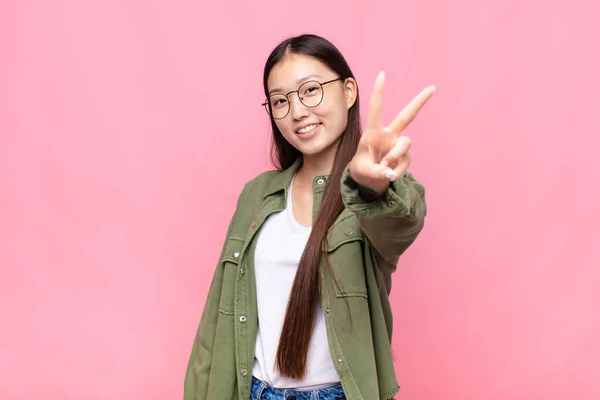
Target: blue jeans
(261, 391)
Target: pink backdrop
(127, 130)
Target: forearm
(391, 216)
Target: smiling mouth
(307, 129)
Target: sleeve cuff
(397, 201)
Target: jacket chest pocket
(345, 255)
(230, 262)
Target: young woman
(298, 307)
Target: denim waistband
(262, 391)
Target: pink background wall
(127, 130)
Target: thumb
(365, 171)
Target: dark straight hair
(306, 290)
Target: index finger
(374, 115)
(408, 113)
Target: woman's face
(311, 130)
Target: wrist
(375, 189)
(369, 194)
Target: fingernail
(390, 175)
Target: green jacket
(363, 248)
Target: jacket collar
(281, 180)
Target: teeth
(308, 128)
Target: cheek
(338, 115)
(280, 125)
(337, 109)
(284, 128)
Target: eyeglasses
(310, 94)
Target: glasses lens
(279, 106)
(311, 93)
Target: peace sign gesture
(383, 153)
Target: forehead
(293, 69)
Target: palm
(382, 153)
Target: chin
(318, 148)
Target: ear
(350, 91)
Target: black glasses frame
(267, 104)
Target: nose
(297, 109)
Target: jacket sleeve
(391, 222)
(199, 364)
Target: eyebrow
(299, 81)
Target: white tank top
(279, 247)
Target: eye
(278, 101)
(310, 89)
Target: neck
(312, 168)
(317, 164)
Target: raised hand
(383, 153)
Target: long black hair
(301, 310)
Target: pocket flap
(346, 229)
(233, 250)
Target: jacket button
(339, 360)
(391, 203)
(236, 254)
(327, 311)
(348, 232)
(242, 271)
(254, 223)
(244, 372)
(320, 181)
(243, 319)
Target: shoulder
(258, 185)
(255, 190)
(261, 181)
(249, 202)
